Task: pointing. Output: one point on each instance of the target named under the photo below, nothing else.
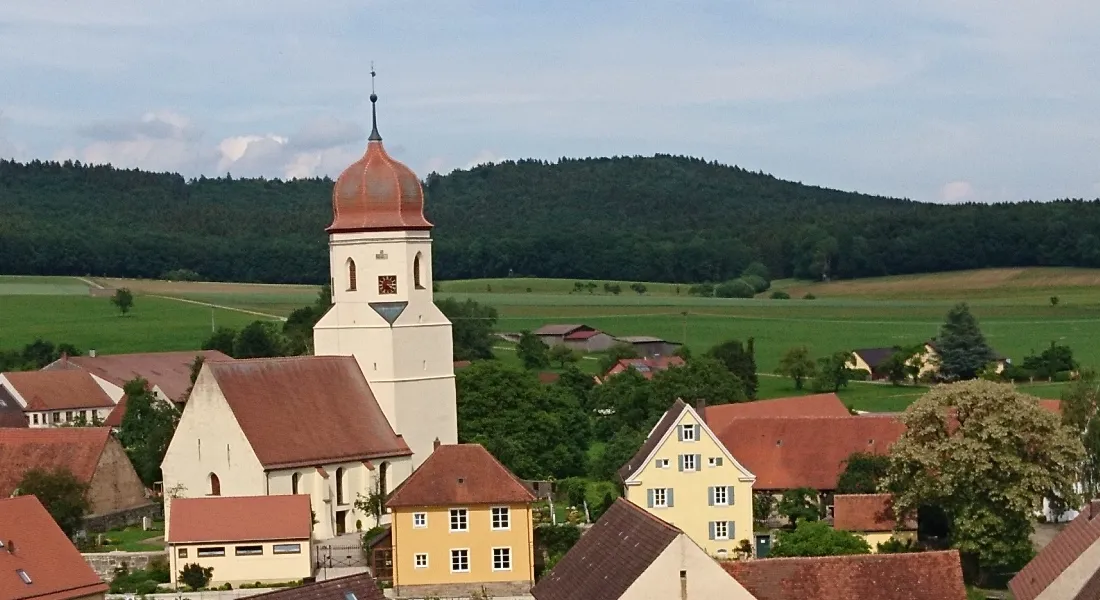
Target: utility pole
(211, 319)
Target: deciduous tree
(1080, 406)
(740, 360)
(562, 354)
(146, 429)
(817, 538)
(532, 352)
(800, 504)
(834, 371)
(471, 327)
(862, 473)
(798, 365)
(123, 300)
(63, 495)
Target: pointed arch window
(215, 485)
(418, 276)
(294, 482)
(351, 275)
(340, 486)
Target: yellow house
(683, 475)
(871, 517)
(245, 538)
(462, 522)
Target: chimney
(683, 585)
(435, 444)
(701, 409)
(11, 547)
(91, 353)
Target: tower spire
(374, 135)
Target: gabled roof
(645, 366)
(609, 557)
(170, 371)
(867, 513)
(643, 339)
(875, 356)
(460, 474)
(792, 452)
(816, 405)
(42, 551)
(361, 587)
(1063, 556)
(560, 329)
(671, 416)
(75, 448)
(58, 390)
(240, 519)
(908, 576)
(114, 418)
(582, 334)
(306, 410)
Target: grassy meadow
(1013, 306)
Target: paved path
(90, 283)
(222, 307)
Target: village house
(872, 360)
(683, 475)
(360, 586)
(37, 560)
(92, 454)
(871, 517)
(55, 398)
(648, 346)
(461, 523)
(575, 336)
(647, 367)
(906, 576)
(630, 554)
(1068, 568)
(297, 425)
(168, 373)
(244, 539)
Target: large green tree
(798, 365)
(532, 351)
(984, 453)
(961, 346)
(260, 339)
(740, 359)
(800, 504)
(817, 538)
(471, 327)
(146, 429)
(862, 473)
(834, 371)
(64, 496)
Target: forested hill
(660, 218)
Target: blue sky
(935, 100)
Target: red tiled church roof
(75, 448)
(58, 390)
(460, 474)
(1067, 547)
(866, 513)
(793, 452)
(240, 519)
(31, 542)
(908, 576)
(306, 410)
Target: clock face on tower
(387, 284)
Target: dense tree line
(662, 218)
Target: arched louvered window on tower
(418, 275)
(351, 275)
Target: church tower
(383, 314)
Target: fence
(329, 556)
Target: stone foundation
(122, 518)
(499, 589)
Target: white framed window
(420, 561)
(661, 463)
(689, 462)
(721, 530)
(721, 498)
(286, 549)
(460, 560)
(502, 559)
(420, 520)
(714, 461)
(35, 415)
(218, 551)
(248, 550)
(687, 433)
(459, 520)
(660, 498)
(502, 519)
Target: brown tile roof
(460, 474)
(559, 329)
(306, 410)
(170, 371)
(815, 405)
(76, 448)
(362, 586)
(240, 519)
(114, 418)
(646, 366)
(1054, 406)
(867, 513)
(609, 557)
(793, 452)
(11, 413)
(548, 377)
(1081, 534)
(909, 576)
(41, 550)
(667, 421)
(58, 390)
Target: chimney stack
(701, 409)
(435, 444)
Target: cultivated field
(1013, 306)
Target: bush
(701, 289)
(1063, 376)
(1017, 373)
(859, 375)
(809, 296)
(159, 570)
(145, 587)
(758, 283)
(780, 295)
(738, 288)
(195, 576)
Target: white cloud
(957, 191)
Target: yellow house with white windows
(462, 522)
(685, 476)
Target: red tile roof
(362, 586)
(581, 335)
(114, 418)
(31, 542)
(609, 557)
(58, 390)
(718, 416)
(793, 452)
(240, 519)
(909, 576)
(561, 329)
(866, 513)
(75, 448)
(460, 474)
(306, 410)
(1081, 534)
(645, 366)
(548, 377)
(1054, 406)
(170, 371)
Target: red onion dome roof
(377, 192)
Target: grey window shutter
(710, 496)
(729, 495)
(698, 462)
(679, 433)
(731, 529)
(680, 459)
(718, 461)
(698, 430)
(649, 498)
(668, 496)
(710, 527)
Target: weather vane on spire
(374, 135)
(372, 74)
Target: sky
(934, 100)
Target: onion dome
(377, 193)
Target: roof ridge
(659, 521)
(875, 555)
